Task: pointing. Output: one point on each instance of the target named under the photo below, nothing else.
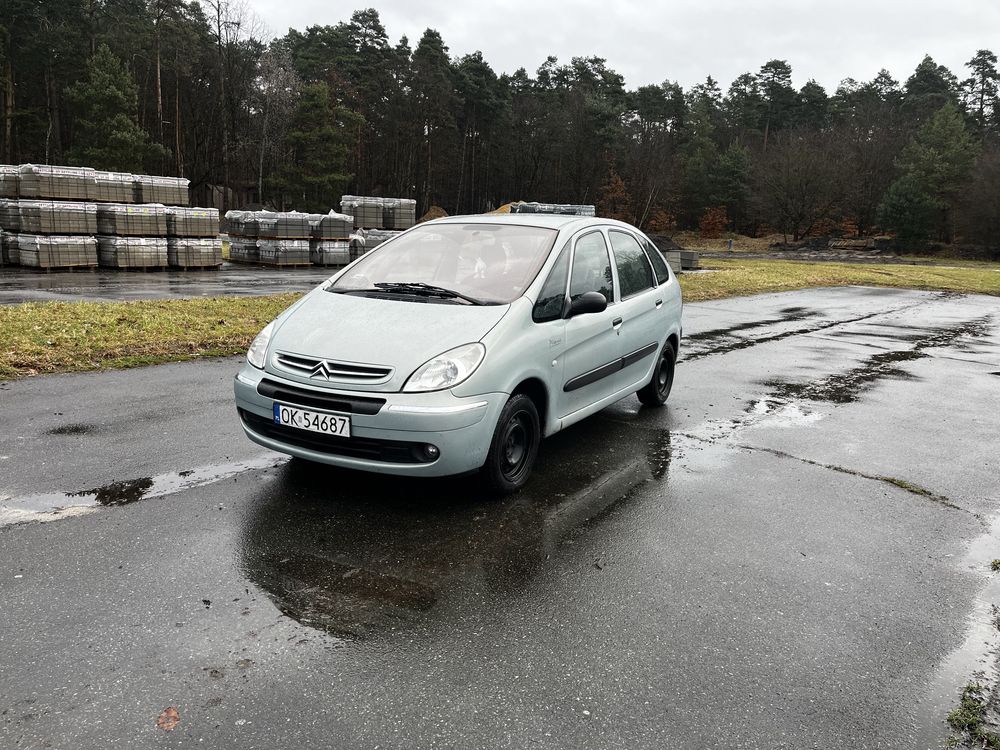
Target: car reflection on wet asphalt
(355, 554)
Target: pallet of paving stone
(399, 213)
(132, 220)
(192, 222)
(10, 215)
(54, 252)
(56, 217)
(331, 226)
(44, 181)
(285, 225)
(170, 191)
(243, 250)
(194, 252)
(330, 252)
(564, 209)
(673, 258)
(131, 252)
(368, 211)
(283, 252)
(114, 187)
(241, 223)
(8, 181)
(689, 260)
(10, 253)
(375, 237)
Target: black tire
(514, 447)
(656, 391)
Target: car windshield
(485, 263)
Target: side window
(592, 268)
(660, 268)
(634, 272)
(550, 301)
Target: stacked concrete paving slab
(131, 252)
(371, 212)
(273, 238)
(10, 252)
(130, 213)
(552, 208)
(193, 238)
(52, 251)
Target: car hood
(396, 334)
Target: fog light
(431, 451)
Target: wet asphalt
(794, 553)
(19, 285)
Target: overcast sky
(685, 40)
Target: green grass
(969, 719)
(733, 278)
(48, 337)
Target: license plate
(316, 421)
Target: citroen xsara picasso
(457, 345)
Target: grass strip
(732, 278)
(49, 337)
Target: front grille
(329, 369)
(290, 394)
(371, 449)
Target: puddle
(975, 659)
(846, 387)
(745, 343)
(73, 429)
(52, 506)
(789, 314)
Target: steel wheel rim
(665, 373)
(516, 445)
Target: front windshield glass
(493, 263)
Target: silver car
(457, 345)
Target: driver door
(592, 357)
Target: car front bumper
(390, 441)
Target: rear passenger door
(591, 358)
(642, 321)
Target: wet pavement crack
(901, 484)
(754, 341)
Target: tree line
(196, 89)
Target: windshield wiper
(427, 290)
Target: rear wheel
(514, 447)
(655, 392)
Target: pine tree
(106, 134)
(319, 141)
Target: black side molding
(610, 368)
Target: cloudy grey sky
(685, 40)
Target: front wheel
(514, 447)
(655, 392)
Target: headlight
(446, 370)
(258, 349)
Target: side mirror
(588, 302)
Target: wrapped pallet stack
(552, 208)
(132, 235)
(193, 238)
(331, 239)
(70, 217)
(270, 238)
(371, 212)
(52, 219)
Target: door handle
(616, 323)
(659, 304)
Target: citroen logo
(320, 371)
